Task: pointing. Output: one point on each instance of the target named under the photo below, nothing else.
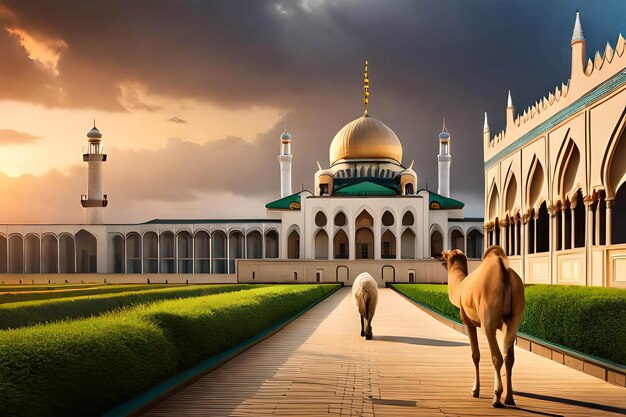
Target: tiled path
(415, 366)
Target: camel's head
(450, 257)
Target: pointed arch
(408, 243)
(534, 184)
(510, 193)
(86, 252)
(293, 244)
(388, 245)
(364, 219)
(493, 200)
(321, 244)
(614, 163)
(341, 243)
(568, 163)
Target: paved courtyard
(415, 366)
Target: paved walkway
(415, 366)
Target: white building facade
(554, 178)
(365, 209)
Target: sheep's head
(450, 257)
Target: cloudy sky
(191, 96)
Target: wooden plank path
(415, 366)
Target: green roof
(364, 188)
(439, 202)
(291, 202)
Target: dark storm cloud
(428, 59)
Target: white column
(534, 234)
(563, 208)
(515, 236)
(609, 219)
(573, 236)
(597, 225)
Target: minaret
(578, 49)
(94, 201)
(445, 159)
(510, 111)
(284, 159)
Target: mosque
(365, 213)
(555, 193)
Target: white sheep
(365, 295)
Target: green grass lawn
(84, 367)
(64, 291)
(589, 320)
(27, 313)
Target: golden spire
(366, 89)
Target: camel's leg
(362, 327)
(496, 358)
(473, 337)
(368, 329)
(512, 325)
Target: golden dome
(364, 138)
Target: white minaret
(94, 201)
(284, 159)
(444, 159)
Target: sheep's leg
(368, 320)
(509, 355)
(496, 358)
(362, 327)
(473, 337)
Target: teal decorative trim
(597, 93)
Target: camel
(365, 295)
(491, 297)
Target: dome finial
(486, 125)
(444, 125)
(366, 89)
(577, 35)
(94, 122)
(509, 101)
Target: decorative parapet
(602, 76)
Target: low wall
(343, 271)
(118, 278)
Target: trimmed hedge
(65, 292)
(589, 320)
(433, 296)
(28, 313)
(84, 367)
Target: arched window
(86, 252)
(618, 223)
(50, 254)
(118, 254)
(387, 219)
(408, 244)
(16, 254)
(341, 245)
(474, 244)
(150, 253)
(364, 239)
(32, 254)
(543, 229)
(340, 219)
(579, 221)
(185, 252)
(408, 219)
(133, 253)
(166, 252)
(254, 244)
(457, 240)
(4, 262)
(388, 245)
(202, 252)
(293, 245)
(436, 244)
(271, 244)
(408, 189)
(220, 257)
(320, 219)
(67, 254)
(321, 245)
(235, 249)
